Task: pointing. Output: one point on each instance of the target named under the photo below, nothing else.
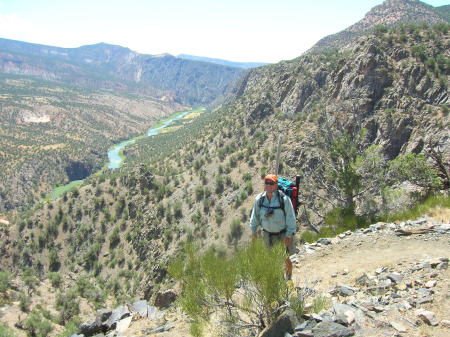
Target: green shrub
(53, 260)
(30, 279)
(177, 210)
(380, 30)
(297, 303)
(24, 302)
(71, 328)
(68, 306)
(5, 331)
(5, 278)
(236, 231)
(114, 238)
(37, 326)
(210, 280)
(55, 279)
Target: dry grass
(441, 214)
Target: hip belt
(275, 233)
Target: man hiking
(273, 211)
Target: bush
(71, 328)
(199, 193)
(37, 326)
(414, 168)
(30, 279)
(53, 260)
(236, 231)
(380, 30)
(421, 208)
(177, 210)
(209, 281)
(68, 306)
(5, 278)
(114, 238)
(55, 279)
(24, 302)
(5, 331)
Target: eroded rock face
(380, 85)
(78, 171)
(390, 12)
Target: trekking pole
(277, 164)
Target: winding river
(116, 156)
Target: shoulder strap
(281, 196)
(281, 199)
(261, 199)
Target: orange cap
(271, 177)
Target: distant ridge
(244, 65)
(389, 13)
(112, 67)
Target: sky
(235, 30)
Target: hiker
(273, 211)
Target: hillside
(110, 67)
(389, 85)
(199, 182)
(53, 133)
(369, 282)
(101, 93)
(388, 14)
(367, 131)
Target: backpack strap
(261, 200)
(281, 196)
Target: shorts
(270, 239)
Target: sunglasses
(271, 183)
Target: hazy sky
(237, 30)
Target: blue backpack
(288, 188)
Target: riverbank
(116, 155)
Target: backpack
(280, 198)
(288, 188)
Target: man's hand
(287, 241)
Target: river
(116, 156)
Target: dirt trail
(365, 253)
(343, 261)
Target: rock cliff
(389, 13)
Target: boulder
(395, 277)
(306, 325)
(123, 324)
(116, 315)
(154, 313)
(324, 241)
(427, 316)
(331, 329)
(89, 329)
(397, 326)
(285, 323)
(140, 308)
(102, 315)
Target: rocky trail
(385, 280)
